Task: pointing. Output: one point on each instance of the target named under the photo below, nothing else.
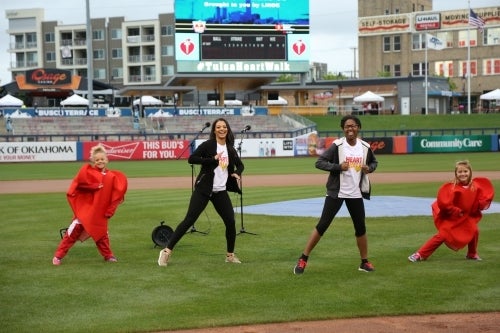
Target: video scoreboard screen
(266, 36)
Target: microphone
(207, 125)
(247, 128)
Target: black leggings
(223, 206)
(356, 208)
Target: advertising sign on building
(427, 21)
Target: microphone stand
(191, 144)
(242, 230)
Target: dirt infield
(456, 323)
(61, 185)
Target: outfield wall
(306, 145)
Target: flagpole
(426, 74)
(468, 65)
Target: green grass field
(198, 289)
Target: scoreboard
(266, 36)
(243, 47)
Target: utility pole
(354, 51)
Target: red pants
(435, 241)
(69, 240)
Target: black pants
(224, 207)
(356, 208)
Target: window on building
(31, 59)
(463, 37)
(98, 35)
(387, 68)
(167, 70)
(418, 41)
(446, 37)
(31, 40)
(396, 11)
(491, 66)
(116, 33)
(491, 36)
(117, 53)
(463, 68)
(387, 44)
(387, 11)
(397, 70)
(99, 73)
(98, 54)
(117, 72)
(397, 43)
(418, 69)
(50, 56)
(444, 68)
(167, 50)
(167, 30)
(50, 37)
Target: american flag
(476, 21)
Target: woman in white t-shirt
(221, 168)
(349, 160)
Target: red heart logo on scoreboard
(187, 46)
(299, 47)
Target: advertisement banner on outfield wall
(140, 150)
(451, 143)
(38, 151)
(262, 147)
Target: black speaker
(161, 234)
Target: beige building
(392, 42)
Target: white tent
(74, 100)
(279, 101)
(368, 97)
(492, 95)
(9, 100)
(147, 100)
(234, 102)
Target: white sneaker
(164, 256)
(232, 259)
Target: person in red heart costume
(94, 196)
(456, 212)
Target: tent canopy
(9, 100)
(492, 95)
(232, 102)
(279, 101)
(368, 97)
(75, 100)
(147, 100)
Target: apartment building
(123, 52)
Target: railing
(138, 136)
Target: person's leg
(224, 207)
(472, 247)
(197, 204)
(330, 209)
(69, 239)
(430, 246)
(356, 208)
(105, 249)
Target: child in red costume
(94, 196)
(456, 212)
